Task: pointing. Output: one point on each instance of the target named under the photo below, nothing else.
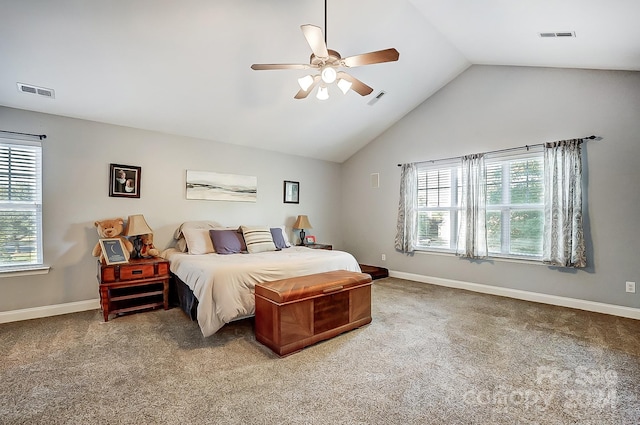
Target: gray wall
(76, 158)
(488, 108)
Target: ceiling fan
(328, 62)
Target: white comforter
(224, 284)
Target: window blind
(20, 203)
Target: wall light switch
(631, 287)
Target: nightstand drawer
(139, 271)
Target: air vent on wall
(377, 98)
(41, 91)
(557, 34)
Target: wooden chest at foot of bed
(294, 313)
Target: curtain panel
(563, 238)
(407, 219)
(472, 233)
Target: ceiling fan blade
(266, 66)
(315, 39)
(380, 56)
(356, 85)
(304, 93)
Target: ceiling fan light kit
(326, 61)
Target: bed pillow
(278, 238)
(258, 239)
(194, 225)
(178, 235)
(227, 241)
(198, 241)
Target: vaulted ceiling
(183, 67)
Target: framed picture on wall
(124, 180)
(291, 192)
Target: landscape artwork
(221, 187)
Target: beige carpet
(431, 355)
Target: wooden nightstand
(136, 285)
(319, 246)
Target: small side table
(319, 246)
(137, 285)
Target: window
(515, 210)
(20, 204)
(515, 213)
(438, 205)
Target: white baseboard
(48, 310)
(615, 310)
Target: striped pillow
(258, 239)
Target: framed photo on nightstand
(309, 240)
(113, 251)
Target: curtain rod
(592, 137)
(40, 136)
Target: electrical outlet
(631, 287)
(384, 257)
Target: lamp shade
(305, 82)
(137, 225)
(323, 93)
(302, 222)
(344, 85)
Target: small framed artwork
(291, 192)
(309, 240)
(113, 251)
(124, 180)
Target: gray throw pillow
(227, 241)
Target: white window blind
(514, 204)
(20, 204)
(438, 205)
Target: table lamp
(136, 226)
(302, 222)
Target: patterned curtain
(563, 239)
(406, 228)
(472, 234)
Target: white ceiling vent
(557, 34)
(375, 99)
(41, 91)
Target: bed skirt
(182, 295)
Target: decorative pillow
(198, 241)
(227, 241)
(284, 235)
(278, 238)
(258, 239)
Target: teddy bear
(148, 250)
(111, 228)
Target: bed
(220, 288)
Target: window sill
(490, 258)
(24, 271)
